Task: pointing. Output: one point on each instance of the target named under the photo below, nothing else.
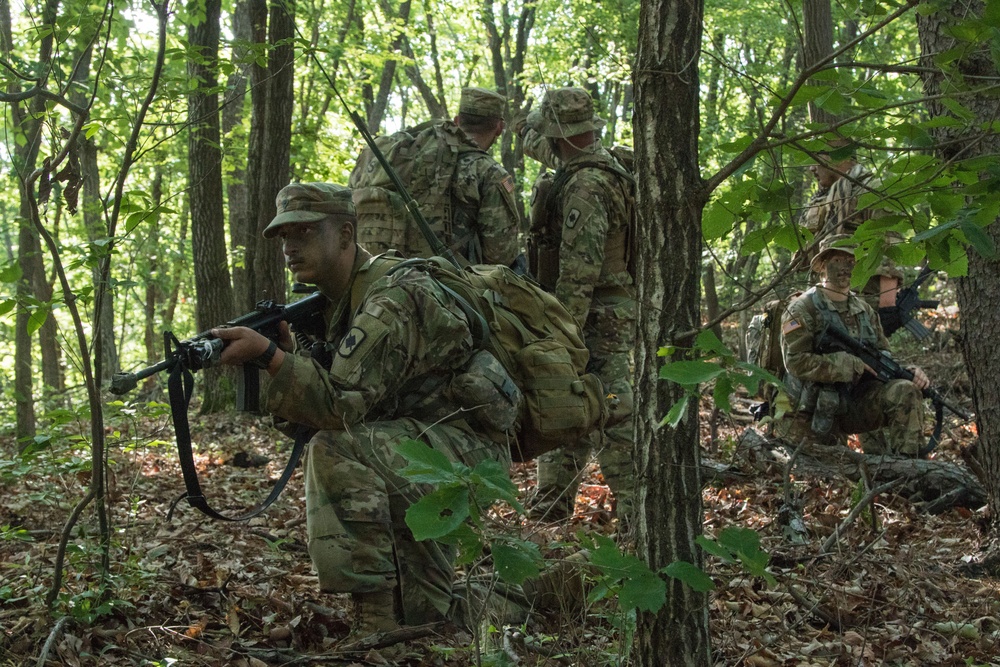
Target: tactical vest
(804, 392)
(426, 159)
(547, 220)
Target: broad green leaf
(438, 513)
(515, 561)
(37, 319)
(427, 465)
(709, 342)
(10, 273)
(644, 592)
(720, 393)
(495, 477)
(692, 575)
(978, 238)
(676, 413)
(6, 306)
(717, 221)
(714, 548)
(690, 373)
(934, 231)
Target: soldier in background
(590, 209)
(835, 394)
(465, 195)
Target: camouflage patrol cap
(482, 102)
(831, 245)
(565, 112)
(309, 202)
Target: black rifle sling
(180, 386)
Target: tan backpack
(540, 345)
(425, 157)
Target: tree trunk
(213, 290)
(817, 26)
(270, 139)
(232, 118)
(670, 202)
(980, 318)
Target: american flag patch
(790, 325)
(508, 183)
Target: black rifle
(204, 351)
(908, 300)
(835, 339)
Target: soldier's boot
(373, 614)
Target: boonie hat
(309, 202)
(830, 245)
(482, 102)
(565, 112)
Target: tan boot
(374, 613)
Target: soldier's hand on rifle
(244, 344)
(920, 378)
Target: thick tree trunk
(670, 202)
(270, 140)
(817, 26)
(214, 302)
(232, 118)
(980, 318)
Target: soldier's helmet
(565, 112)
(889, 269)
(309, 202)
(830, 245)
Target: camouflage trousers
(890, 417)
(610, 335)
(355, 509)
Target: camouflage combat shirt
(405, 330)
(802, 321)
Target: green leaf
(495, 477)
(515, 561)
(10, 273)
(427, 465)
(676, 413)
(709, 342)
(716, 549)
(644, 592)
(978, 238)
(438, 513)
(6, 306)
(720, 394)
(691, 575)
(717, 221)
(690, 373)
(37, 319)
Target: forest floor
(193, 591)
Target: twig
(814, 608)
(53, 636)
(854, 513)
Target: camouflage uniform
(596, 287)
(475, 215)
(896, 405)
(405, 331)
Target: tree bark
(232, 118)
(214, 294)
(270, 141)
(670, 202)
(980, 318)
(817, 26)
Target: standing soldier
(589, 211)
(465, 195)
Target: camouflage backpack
(546, 224)
(425, 157)
(536, 340)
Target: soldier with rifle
(833, 391)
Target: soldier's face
(313, 251)
(838, 270)
(823, 174)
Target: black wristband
(264, 360)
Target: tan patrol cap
(482, 102)
(309, 202)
